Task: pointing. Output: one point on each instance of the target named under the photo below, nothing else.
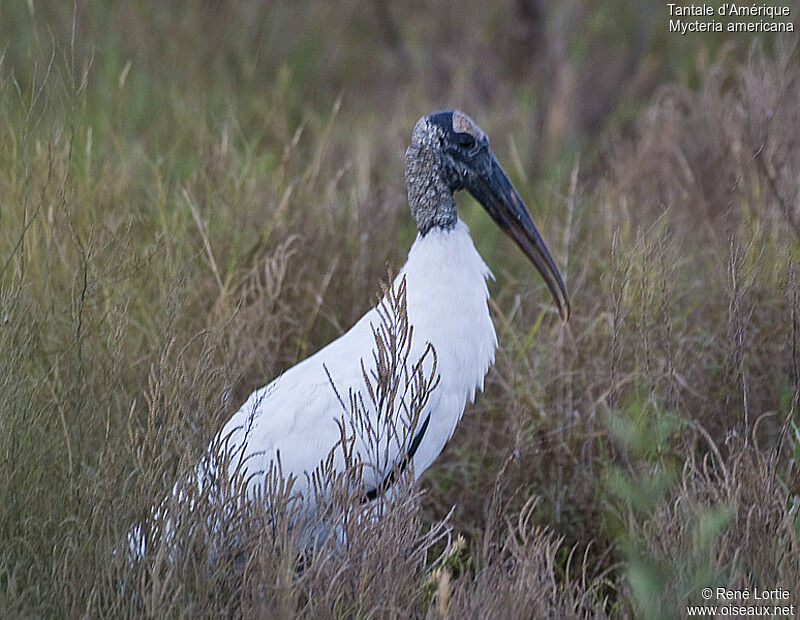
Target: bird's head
(450, 152)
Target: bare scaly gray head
(450, 152)
(439, 141)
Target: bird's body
(296, 423)
(295, 418)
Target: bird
(294, 424)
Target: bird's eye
(465, 140)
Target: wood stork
(294, 420)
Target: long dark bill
(495, 192)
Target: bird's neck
(429, 197)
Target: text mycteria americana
(295, 420)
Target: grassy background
(194, 196)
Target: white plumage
(296, 415)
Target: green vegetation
(194, 196)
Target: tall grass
(193, 198)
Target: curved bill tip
(532, 244)
(564, 310)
